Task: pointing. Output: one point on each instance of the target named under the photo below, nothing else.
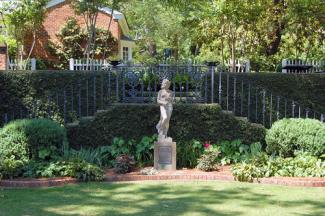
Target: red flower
(206, 145)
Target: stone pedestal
(165, 154)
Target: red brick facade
(56, 17)
(3, 57)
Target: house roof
(116, 14)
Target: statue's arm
(159, 101)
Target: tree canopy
(263, 31)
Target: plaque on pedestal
(165, 154)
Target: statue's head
(165, 84)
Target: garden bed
(223, 173)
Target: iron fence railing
(191, 84)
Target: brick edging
(33, 183)
(287, 181)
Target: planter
(114, 63)
(212, 63)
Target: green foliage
(189, 121)
(84, 171)
(99, 156)
(23, 21)
(124, 163)
(71, 43)
(71, 37)
(289, 135)
(302, 165)
(188, 153)
(144, 149)
(10, 167)
(209, 158)
(79, 169)
(39, 139)
(236, 151)
(263, 31)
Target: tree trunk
(30, 51)
(233, 55)
(108, 31)
(278, 26)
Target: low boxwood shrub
(38, 139)
(289, 135)
(189, 121)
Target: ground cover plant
(163, 198)
(302, 165)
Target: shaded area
(161, 198)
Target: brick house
(58, 11)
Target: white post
(248, 66)
(284, 63)
(33, 64)
(71, 64)
(130, 54)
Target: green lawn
(164, 198)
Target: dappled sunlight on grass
(164, 198)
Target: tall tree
(25, 18)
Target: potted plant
(211, 59)
(114, 60)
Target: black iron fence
(191, 84)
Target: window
(125, 54)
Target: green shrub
(209, 159)
(39, 139)
(288, 135)
(188, 122)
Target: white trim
(53, 3)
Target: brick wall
(56, 17)
(3, 57)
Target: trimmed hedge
(31, 90)
(288, 135)
(133, 121)
(307, 89)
